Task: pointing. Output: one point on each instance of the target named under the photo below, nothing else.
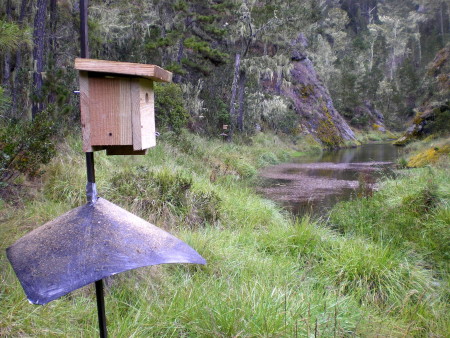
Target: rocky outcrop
(433, 115)
(370, 115)
(312, 101)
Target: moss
(402, 141)
(327, 132)
(418, 118)
(429, 156)
(441, 59)
(306, 91)
(376, 126)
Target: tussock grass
(267, 274)
(410, 212)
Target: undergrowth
(376, 274)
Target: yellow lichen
(306, 90)
(327, 131)
(428, 156)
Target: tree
(40, 21)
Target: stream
(313, 185)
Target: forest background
(288, 77)
(233, 63)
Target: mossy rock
(402, 141)
(428, 156)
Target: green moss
(327, 132)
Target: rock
(433, 114)
(313, 103)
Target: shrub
(169, 109)
(25, 146)
(165, 195)
(4, 101)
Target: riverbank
(267, 273)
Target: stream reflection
(314, 185)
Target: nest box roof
(151, 72)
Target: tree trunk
(240, 119)
(52, 24)
(7, 58)
(38, 56)
(279, 82)
(177, 77)
(16, 82)
(442, 23)
(51, 54)
(237, 64)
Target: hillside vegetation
(368, 270)
(294, 67)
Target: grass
(410, 212)
(267, 274)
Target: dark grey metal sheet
(87, 244)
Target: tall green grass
(410, 213)
(267, 274)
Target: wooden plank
(143, 114)
(84, 109)
(124, 150)
(151, 72)
(110, 111)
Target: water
(314, 185)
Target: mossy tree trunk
(237, 64)
(17, 80)
(240, 117)
(7, 57)
(38, 56)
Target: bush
(25, 146)
(165, 195)
(4, 101)
(169, 109)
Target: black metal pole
(91, 192)
(101, 308)
(84, 52)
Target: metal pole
(84, 52)
(101, 308)
(91, 191)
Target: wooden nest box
(117, 105)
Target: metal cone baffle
(87, 244)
